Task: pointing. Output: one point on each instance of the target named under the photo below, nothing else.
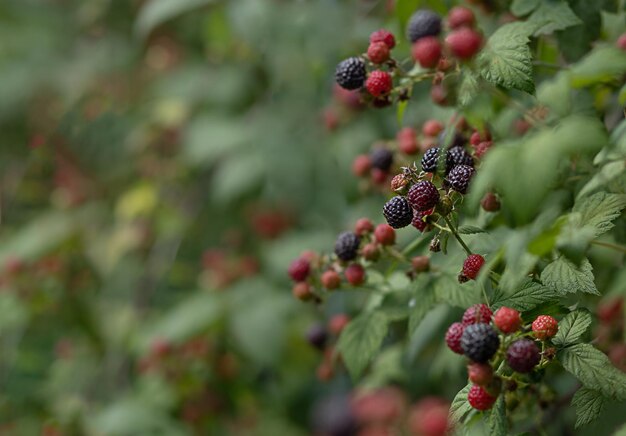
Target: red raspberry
(464, 43)
(363, 226)
(453, 337)
(330, 279)
(490, 202)
(361, 165)
(385, 234)
(472, 265)
(545, 327)
(480, 399)
(407, 141)
(420, 263)
(429, 417)
(482, 148)
(480, 374)
(427, 51)
(476, 314)
(418, 220)
(507, 320)
(379, 83)
(299, 269)
(337, 323)
(302, 291)
(423, 196)
(355, 274)
(460, 16)
(475, 139)
(378, 52)
(385, 36)
(523, 355)
(432, 128)
(621, 42)
(370, 251)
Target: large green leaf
(460, 407)
(553, 15)
(497, 422)
(361, 339)
(526, 297)
(565, 277)
(599, 211)
(601, 65)
(572, 327)
(589, 404)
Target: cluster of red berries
(610, 331)
(488, 339)
(323, 338)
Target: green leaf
(448, 290)
(606, 175)
(422, 302)
(600, 210)
(527, 296)
(589, 404)
(496, 420)
(601, 65)
(551, 16)
(565, 277)
(460, 406)
(572, 327)
(613, 25)
(361, 339)
(468, 89)
(594, 370)
(506, 59)
(156, 12)
(470, 230)
(519, 8)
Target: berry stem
(456, 235)
(615, 247)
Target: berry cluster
(488, 339)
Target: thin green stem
(615, 247)
(457, 236)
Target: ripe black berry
(398, 212)
(350, 73)
(423, 23)
(381, 158)
(459, 178)
(423, 196)
(430, 160)
(480, 342)
(347, 246)
(317, 336)
(458, 156)
(523, 355)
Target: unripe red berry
(621, 42)
(464, 43)
(363, 226)
(385, 234)
(429, 417)
(490, 202)
(480, 399)
(477, 314)
(302, 291)
(379, 83)
(472, 265)
(331, 279)
(420, 263)
(299, 269)
(337, 323)
(427, 51)
(453, 337)
(460, 16)
(432, 128)
(439, 95)
(507, 320)
(384, 36)
(480, 374)
(407, 141)
(482, 148)
(370, 251)
(399, 183)
(378, 52)
(545, 327)
(475, 139)
(355, 274)
(361, 165)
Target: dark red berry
(460, 16)
(464, 43)
(478, 313)
(480, 399)
(371, 252)
(420, 263)
(299, 269)
(385, 234)
(407, 141)
(379, 83)
(523, 355)
(361, 165)
(507, 320)
(423, 196)
(439, 95)
(384, 36)
(480, 374)
(363, 226)
(480, 342)
(490, 202)
(302, 291)
(545, 327)
(355, 274)
(330, 279)
(472, 265)
(453, 337)
(378, 52)
(427, 51)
